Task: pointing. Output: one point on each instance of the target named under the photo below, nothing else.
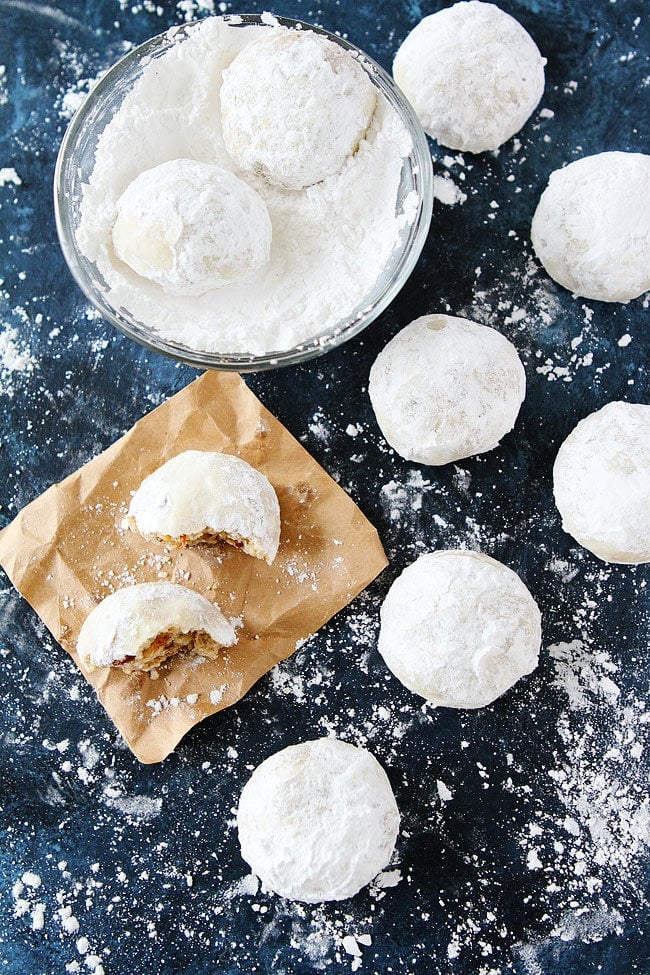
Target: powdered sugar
(330, 242)
(15, 359)
(600, 776)
(9, 177)
(447, 192)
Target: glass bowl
(75, 164)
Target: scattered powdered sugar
(9, 177)
(563, 363)
(603, 733)
(26, 892)
(134, 808)
(80, 80)
(600, 776)
(4, 93)
(530, 307)
(443, 791)
(447, 192)
(16, 359)
(192, 9)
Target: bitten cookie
(207, 497)
(140, 627)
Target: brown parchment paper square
(68, 549)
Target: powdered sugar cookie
(140, 627)
(459, 628)
(191, 227)
(601, 481)
(446, 388)
(204, 497)
(473, 75)
(591, 228)
(294, 107)
(318, 821)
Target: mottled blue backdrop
(524, 843)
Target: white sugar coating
(295, 106)
(473, 75)
(203, 491)
(446, 388)
(601, 482)
(459, 628)
(591, 228)
(129, 618)
(318, 821)
(330, 243)
(191, 227)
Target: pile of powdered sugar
(331, 241)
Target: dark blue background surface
(538, 863)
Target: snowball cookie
(459, 629)
(204, 497)
(140, 627)
(601, 481)
(591, 229)
(318, 821)
(473, 75)
(191, 227)
(445, 388)
(294, 107)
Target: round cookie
(601, 482)
(446, 388)
(459, 628)
(473, 75)
(591, 228)
(191, 227)
(294, 107)
(318, 821)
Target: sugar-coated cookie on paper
(140, 627)
(205, 497)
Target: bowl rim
(364, 314)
